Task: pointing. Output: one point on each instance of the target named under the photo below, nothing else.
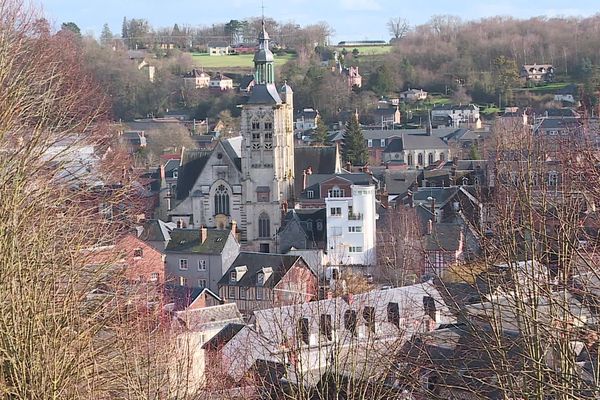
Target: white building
(351, 227)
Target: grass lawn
(367, 50)
(233, 61)
(550, 87)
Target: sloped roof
(188, 241)
(445, 237)
(303, 216)
(321, 159)
(255, 262)
(155, 230)
(264, 94)
(200, 319)
(441, 195)
(398, 182)
(191, 166)
(223, 337)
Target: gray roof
(358, 178)
(398, 182)
(191, 166)
(445, 237)
(321, 159)
(188, 241)
(155, 230)
(218, 44)
(201, 319)
(255, 262)
(223, 337)
(415, 142)
(441, 195)
(264, 94)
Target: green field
(238, 61)
(367, 50)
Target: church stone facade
(248, 180)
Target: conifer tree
(106, 36)
(320, 135)
(355, 149)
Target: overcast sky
(351, 19)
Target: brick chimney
(234, 228)
(203, 234)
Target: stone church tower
(267, 152)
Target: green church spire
(264, 71)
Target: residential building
(444, 246)
(318, 187)
(198, 258)
(537, 72)
(351, 227)
(413, 95)
(194, 327)
(218, 49)
(303, 229)
(250, 178)
(386, 116)
(417, 151)
(220, 83)
(457, 114)
(567, 94)
(353, 331)
(132, 141)
(143, 263)
(256, 281)
(196, 79)
(306, 119)
(316, 160)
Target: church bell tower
(267, 151)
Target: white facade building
(351, 227)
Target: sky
(350, 19)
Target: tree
(125, 29)
(320, 134)
(398, 27)
(106, 36)
(382, 80)
(71, 26)
(354, 146)
(355, 52)
(505, 75)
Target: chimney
(304, 180)
(234, 228)
(162, 172)
(429, 227)
(203, 234)
(383, 198)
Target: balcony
(354, 216)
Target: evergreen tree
(71, 26)
(320, 135)
(354, 146)
(106, 36)
(124, 30)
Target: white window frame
(231, 292)
(369, 142)
(259, 293)
(201, 265)
(182, 281)
(310, 194)
(243, 292)
(355, 229)
(154, 276)
(202, 283)
(183, 264)
(335, 211)
(355, 249)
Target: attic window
(232, 276)
(260, 279)
(219, 156)
(219, 239)
(138, 252)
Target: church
(246, 182)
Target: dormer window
(260, 279)
(232, 277)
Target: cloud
(360, 5)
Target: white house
(218, 49)
(196, 79)
(461, 114)
(351, 227)
(416, 150)
(413, 95)
(221, 82)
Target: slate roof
(200, 319)
(414, 142)
(398, 182)
(223, 337)
(384, 111)
(441, 195)
(461, 107)
(194, 73)
(155, 230)
(264, 94)
(188, 241)
(445, 237)
(303, 216)
(191, 166)
(218, 44)
(255, 262)
(561, 113)
(321, 159)
(558, 123)
(246, 81)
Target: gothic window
(255, 125)
(221, 200)
(255, 146)
(269, 135)
(268, 125)
(264, 226)
(420, 159)
(430, 159)
(410, 159)
(255, 136)
(442, 157)
(268, 146)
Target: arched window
(409, 159)
(430, 159)
(442, 157)
(221, 200)
(420, 159)
(264, 226)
